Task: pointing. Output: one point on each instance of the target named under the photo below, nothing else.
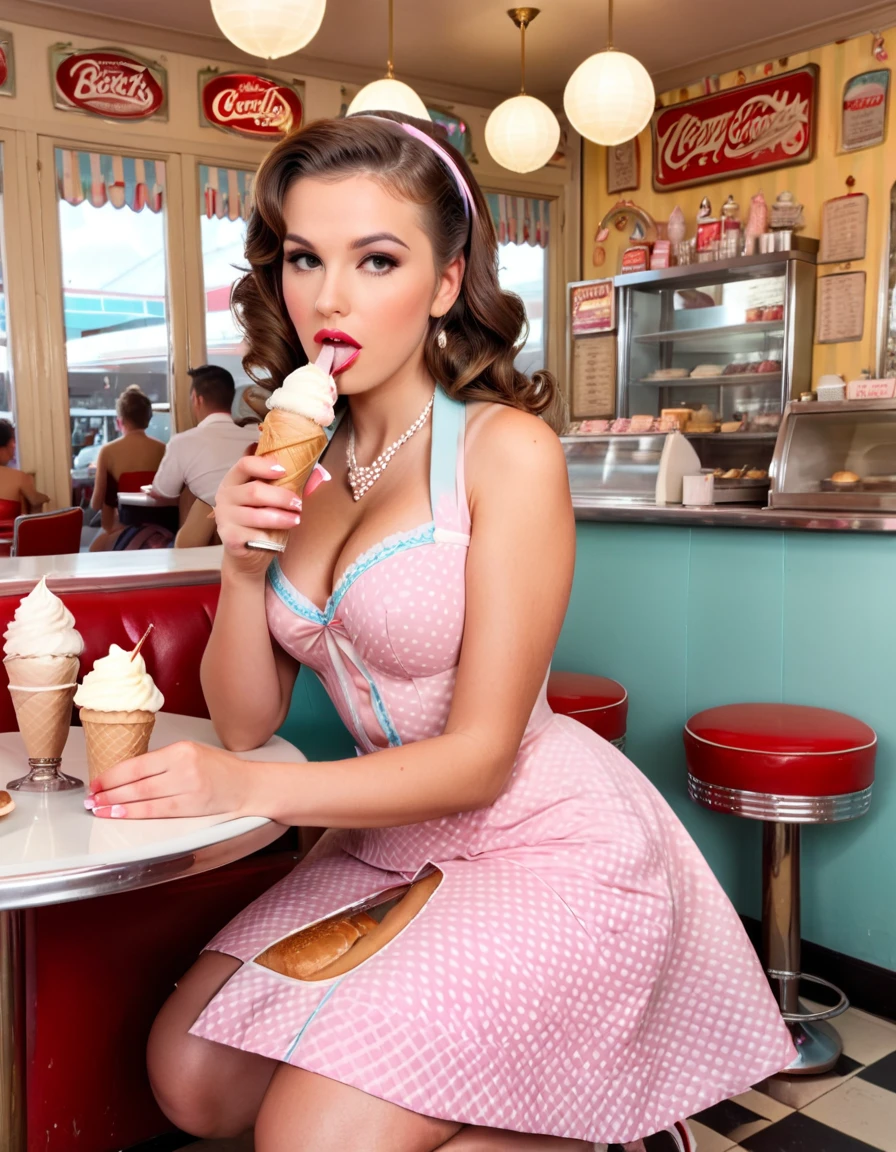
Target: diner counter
(114, 570)
(732, 516)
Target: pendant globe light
(522, 134)
(389, 94)
(610, 97)
(269, 28)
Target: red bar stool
(597, 702)
(786, 765)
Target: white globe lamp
(269, 28)
(610, 97)
(522, 134)
(389, 94)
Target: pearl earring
(442, 339)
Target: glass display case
(722, 346)
(613, 469)
(836, 457)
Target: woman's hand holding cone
(248, 501)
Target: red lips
(346, 347)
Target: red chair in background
(134, 481)
(9, 510)
(48, 533)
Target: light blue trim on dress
(326, 996)
(448, 422)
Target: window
(6, 394)
(523, 226)
(112, 234)
(225, 205)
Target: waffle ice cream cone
(42, 689)
(114, 736)
(294, 442)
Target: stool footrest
(779, 809)
(808, 1017)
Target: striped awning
(521, 219)
(122, 181)
(225, 192)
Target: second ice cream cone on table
(118, 701)
(293, 435)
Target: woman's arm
(30, 494)
(99, 483)
(518, 576)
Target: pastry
(304, 953)
(757, 474)
(118, 701)
(769, 366)
(7, 804)
(732, 425)
(845, 478)
(640, 425)
(293, 430)
(707, 370)
(42, 655)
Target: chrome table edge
(37, 889)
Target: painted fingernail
(296, 503)
(326, 475)
(90, 803)
(298, 519)
(277, 468)
(117, 810)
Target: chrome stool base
(818, 1048)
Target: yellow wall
(874, 170)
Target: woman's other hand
(184, 779)
(248, 504)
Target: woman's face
(359, 272)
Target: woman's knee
(204, 1088)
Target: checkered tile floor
(850, 1109)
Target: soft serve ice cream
(310, 391)
(41, 653)
(118, 701)
(42, 627)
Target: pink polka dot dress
(578, 972)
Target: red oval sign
(4, 70)
(110, 84)
(251, 105)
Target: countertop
(114, 570)
(732, 516)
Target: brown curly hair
(485, 325)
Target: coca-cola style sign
(108, 83)
(752, 128)
(249, 104)
(7, 67)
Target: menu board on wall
(593, 377)
(840, 308)
(844, 229)
(624, 167)
(7, 65)
(592, 307)
(864, 112)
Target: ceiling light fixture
(522, 134)
(389, 94)
(610, 97)
(269, 28)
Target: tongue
(326, 358)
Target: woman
(16, 487)
(133, 451)
(564, 968)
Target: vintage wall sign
(865, 110)
(108, 83)
(249, 104)
(7, 65)
(750, 128)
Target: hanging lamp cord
(609, 25)
(390, 71)
(523, 24)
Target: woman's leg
(206, 1089)
(305, 1112)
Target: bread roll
(303, 953)
(844, 478)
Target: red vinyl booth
(48, 533)
(98, 970)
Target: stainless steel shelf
(711, 381)
(755, 436)
(681, 335)
(741, 267)
(592, 507)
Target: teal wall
(689, 618)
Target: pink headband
(443, 155)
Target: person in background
(133, 451)
(16, 485)
(196, 461)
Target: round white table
(52, 850)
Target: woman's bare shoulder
(505, 440)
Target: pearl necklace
(362, 478)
